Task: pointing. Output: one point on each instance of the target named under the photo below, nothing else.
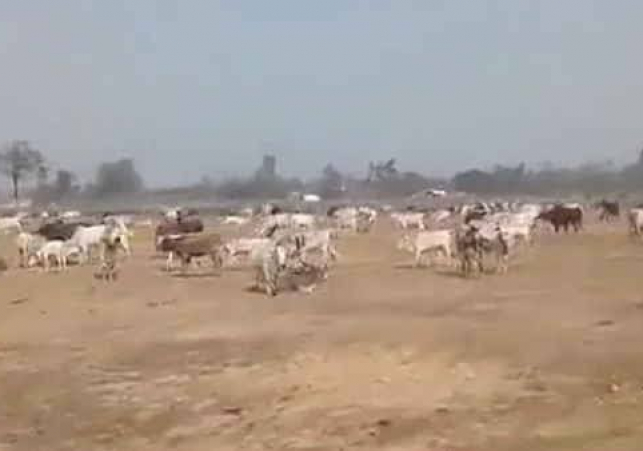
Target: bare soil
(379, 357)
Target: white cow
(242, 247)
(235, 220)
(268, 261)
(428, 241)
(88, 238)
(439, 216)
(409, 220)
(28, 247)
(302, 221)
(59, 250)
(11, 223)
(316, 241)
(71, 214)
(347, 218)
(635, 221)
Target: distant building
(268, 167)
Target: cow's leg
(169, 261)
(418, 258)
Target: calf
(427, 241)
(59, 250)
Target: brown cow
(185, 226)
(187, 247)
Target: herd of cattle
(294, 250)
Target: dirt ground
(382, 356)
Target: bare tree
(18, 161)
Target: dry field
(380, 357)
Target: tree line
(21, 162)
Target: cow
(409, 220)
(28, 247)
(90, 238)
(11, 223)
(608, 210)
(269, 262)
(635, 221)
(235, 220)
(428, 241)
(188, 247)
(320, 241)
(242, 247)
(562, 216)
(183, 227)
(469, 248)
(59, 250)
(59, 230)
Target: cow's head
(405, 243)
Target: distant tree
(382, 171)
(118, 177)
(19, 161)
(64, 183)
(474, 181)
(331, 182)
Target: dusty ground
(381, 357)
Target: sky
(205, 87)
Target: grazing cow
(562, 216)
(427, 241)
(28, 247)
(635, 221)
(59, 250)
(608, 210)
(188, 247)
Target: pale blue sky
(202, 87)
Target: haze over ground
(206, 87)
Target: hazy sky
(206, 87)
